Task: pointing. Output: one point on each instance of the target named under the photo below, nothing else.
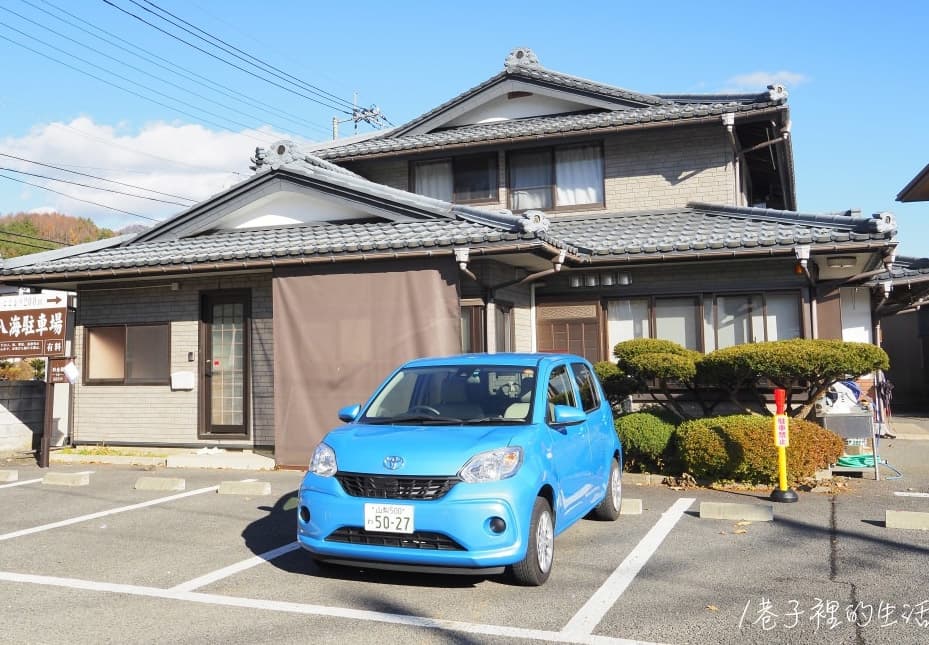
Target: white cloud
(179, 159)
(758, 81)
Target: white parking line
(22, 483)
(593, 611)
(319, 610)
(232, 569)
(112, 511)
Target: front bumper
(460, 521)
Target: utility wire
(26, 244)
(111, 143)
(248, 57)
(128, 80)
(223, 60)
(86, 201)
(112, 181)
(137, 69)
(165, 64)
(106, 190)
(31, 237)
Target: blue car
(464, 464)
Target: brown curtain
(340, 329)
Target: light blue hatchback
(464, 464)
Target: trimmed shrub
(742, 447)
(616, 384)
(646, 439)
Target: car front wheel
(608, 509)
(535, 568)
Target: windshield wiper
(426, 419)
(496, 419)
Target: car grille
(425, 540)
(387, 487)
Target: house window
(472, 328)
(750, 318)
(128, 354)
(727, 320)
(504, 329)
(556, 178)
(465, 180)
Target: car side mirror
(568, 415)
(349, 412)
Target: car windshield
(455, 394)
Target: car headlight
(323, 461)
(492, 465)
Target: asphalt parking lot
(107, 563)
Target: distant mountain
(24, 233)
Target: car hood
(425, 450)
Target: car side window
(590, 397)
(560, 390)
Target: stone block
(160, 483)
(731, 511)
(631, 507)
(254, 488)
(906, 520)
(67, 479)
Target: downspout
(729, 123)
(557, 263)
(462, 254)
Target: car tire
(535, 568)
(608, 509)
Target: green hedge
(646, 439)
(742, 447)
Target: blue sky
(855, 73)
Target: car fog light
(304, 514)
(497, 525)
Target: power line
(138, 69)
(106, 190)
(108, 142)
(31, 237)
(260, 63)
(112, 181)
(20, 243)
(86, 201)
(121, 77)
(165, 64)
(223, 60)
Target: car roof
(503, 358)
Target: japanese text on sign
(781, 432)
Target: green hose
(856, 461)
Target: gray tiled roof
(693, 231)
(536, 126)
(281, 242)
(703, 228)
(631, 108)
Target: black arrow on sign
(56, 299)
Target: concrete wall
(22, 413)
(155, 413)
(646, 169)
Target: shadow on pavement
(279, 527)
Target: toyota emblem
(393, 462)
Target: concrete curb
(221, 460)
(245, 488)
(642, 479)
(730, 511)
(67, 479)
(7, 476)
(121, 460)
(906, 520)
(160, 483)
